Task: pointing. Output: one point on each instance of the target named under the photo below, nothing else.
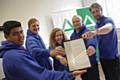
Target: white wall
(111, 8)
(87, 3)
(23, 10)
(1, 36)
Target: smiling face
(59, 37)
(16, 36)
(34, 27)
(77, 22)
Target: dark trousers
(111, 68)
(92, 73)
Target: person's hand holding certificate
(76, 55)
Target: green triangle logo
(67, 26)
(89, 22)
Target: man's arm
(40, 52)
(28, 68)
(107, 28)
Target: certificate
(76, 54)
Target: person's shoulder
(85, 29)
(72, 35)
(30, 38)
(108, 19)
(14, 55)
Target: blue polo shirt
(88, 42)
(108, 43)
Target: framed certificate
(76, 54)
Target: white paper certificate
(76, 54)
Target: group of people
(33, 62)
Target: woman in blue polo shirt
(57, 37)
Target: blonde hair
(32, 20)
(52, 41)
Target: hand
(89, 34)
(63, 61)
(78, 73)
(57, 51)
(60, 50)
(90, 50)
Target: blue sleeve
(53, 56)
(72, 36)
(31, 70)
(35, 49)
(109, 20)
(91, 41)
(50, 49)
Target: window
(111, 8)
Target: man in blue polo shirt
(79, 29)
(107, 42)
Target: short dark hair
(8, 25)
(96, 5)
